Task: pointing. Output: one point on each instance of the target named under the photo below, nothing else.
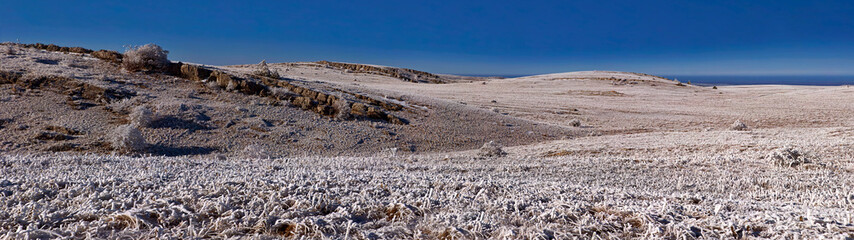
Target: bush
(255, 151)
(149, 57)
(491, 149)
(787, 157)
(738, 126)
(264, 70)
(10, 50)
(575, 123)
(343, 109)
(127, 139)
(141, 116)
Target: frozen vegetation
(421, 197)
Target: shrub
(141, 116)
(128, 139)
(491, 149)
(212, 85)
(149, 57)
(575, 123)
(264, 70)
(787, 157)
(255, 151)
(738, 126)
(282, 94)
(232, 86)
(343, 109)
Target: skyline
(484, 38)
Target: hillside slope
(55, 101)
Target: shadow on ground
(178, 123)
(170, 151)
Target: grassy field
(453, 197)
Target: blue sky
(469, 37)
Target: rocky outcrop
(55, 48)
(309, 99)
(75, 89)
(193, 72)
(107, 55)
(405, 74)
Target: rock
(303, 102)
(320, 97)
(250, 87)
(107, 55)
(325, 110)
(221, 79)
(194, 73)
(376, 113)
(79, 50)
(358, 109)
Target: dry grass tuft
(255, 151)
(787, 157)
(342, 108)
(127, 139)
(141, 116)
(738, 126)
(10, 51)
(575, 123)
(149, 57)
(491, 149)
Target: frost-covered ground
(688, 193)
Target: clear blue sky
(471, 37)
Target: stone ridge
(318, 101)
(405, 74)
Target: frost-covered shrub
(141, 116)
(149, 57)
(127, 138)
(264, 70)
(231, 86)
(343, 108)
(787, 157)
(255, 151)
(491, 149)
(575, 122)
(282, 94)
(10, 50)
(738, 126)
(212, 85)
